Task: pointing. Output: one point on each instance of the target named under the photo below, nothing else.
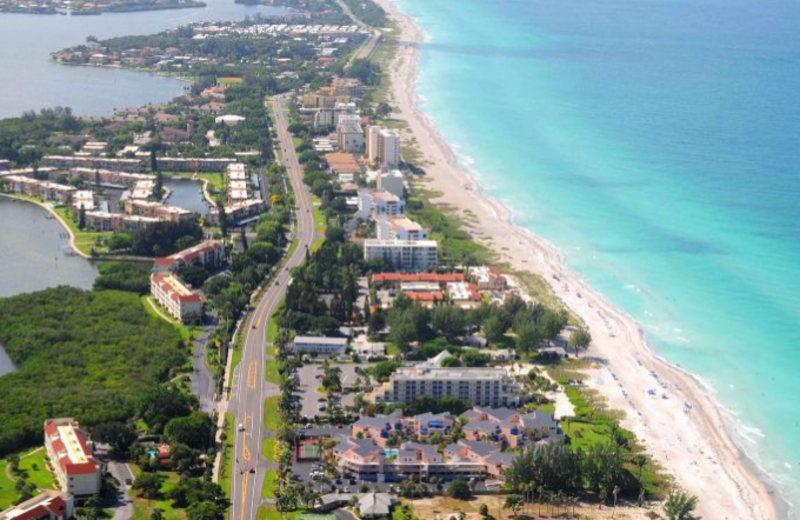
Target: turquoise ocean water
(657, 143)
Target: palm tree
(640, 461)
(680, 506)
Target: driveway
(203, 382)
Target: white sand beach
(690, 442)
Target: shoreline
(695, 447)
(61, 222)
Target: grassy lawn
(270, 483)
(227, 454)
(186, 332)
(271, 419)
(392, 349)
(272, 326)
(268, 448)
(84, 240)
(215, 180)
(269, 512)
(34, 464)
(271, 372)
(8, 495)
(320, 223)
(143, 508)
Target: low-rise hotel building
(193, 164)
(157, 210)
(107, 177)
(118, 222)
(478, 386)
(178, 300)
(237, 212)
(78, 472)
(208, 254)
(319, 345)
(408, 255)
(67, 162)
(83, 200)
(366, 460)
(35, 188)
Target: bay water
(657, 144)
(29, 80)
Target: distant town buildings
(78, 472)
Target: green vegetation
(268, 448)
(84, 354)
(271, 416)
(368, 12)
(143, 507)
(228, 455)
(270, 484)
(21, 474)
(87, 242)
(123, 276)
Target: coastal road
(250, 389)
(365, 51)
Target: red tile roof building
(207, 254)
(391, 278)
(77, 470)
(175, 297)
(48, 505)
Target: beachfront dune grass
(593, 423)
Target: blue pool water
(657, 143)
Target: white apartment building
(349, 134)
(319, 345)
(178, 300)
(76, 469)
(400, 228)
(478, 386)
(330, 116)
(392, 181)
(83, 199)
(35, 188)
(105, 221)
(406, 255)
(378, 203)
(383, 147)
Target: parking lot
(310, 375)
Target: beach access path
(691, 442)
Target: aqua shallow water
(657, 143)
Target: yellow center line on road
(252, 374)
(244, 492)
